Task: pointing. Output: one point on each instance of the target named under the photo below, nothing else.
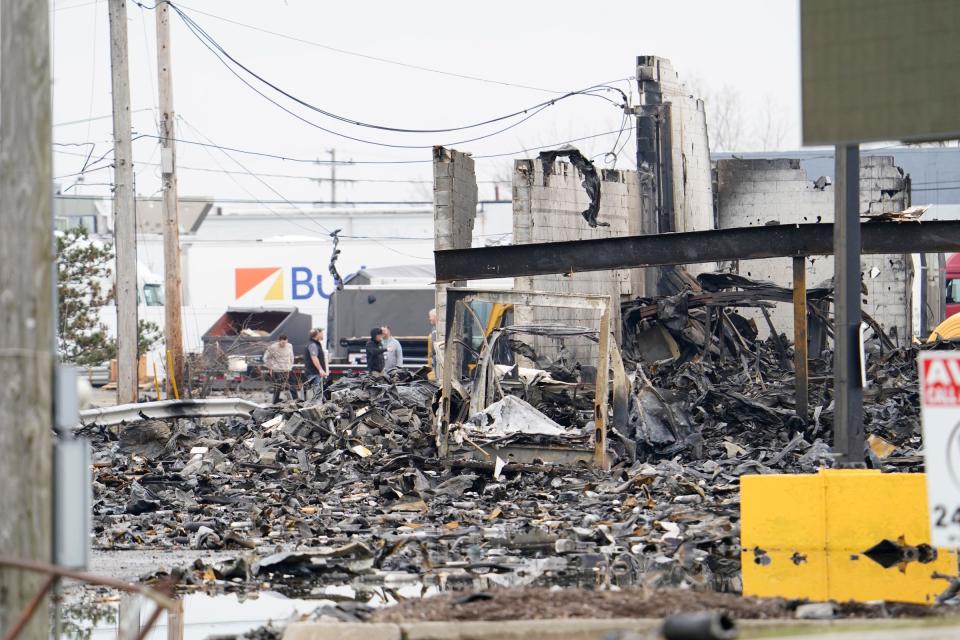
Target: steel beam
(848, 436)
(743, 243)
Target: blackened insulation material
(591, 180)
(724, 281)
(337, 280)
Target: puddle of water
(229, 614)
(205, 615)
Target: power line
(74, 6)
(275, 156)
(550, 146)
(286, 201)
(84, 172)
(106, 117)
(259, 173)
(462, 76)
(293, 219)
(343, 135)
(940, 185)
(353, 121)
(313, 161)
(297, 203)
(242, 166)
(936, 189)
(220, 53)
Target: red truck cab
(953, 284)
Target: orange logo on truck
(246, 279)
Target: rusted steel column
(800, 336)
(848, 435)
(601, 391)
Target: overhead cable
(223, 56)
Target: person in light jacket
(278, 358)
(393, 358)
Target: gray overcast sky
(750, 46)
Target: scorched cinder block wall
(547, 207)
(673, 154)
(692, 196)
(758, 192)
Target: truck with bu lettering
(280, 273)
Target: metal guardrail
(201, 408)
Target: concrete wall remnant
(454, 212)
(778, 191)
(547, 207)
(673, 155)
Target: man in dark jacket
(374, 350)
(314, 364)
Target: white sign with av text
(940, 414)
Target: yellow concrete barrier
(840, 535)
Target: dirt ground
(530, 604)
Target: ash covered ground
(350, 492)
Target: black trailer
(248, 331)
(356, 309)
(233, 347)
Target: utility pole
(333, 175)
(124, 221)
(173, 305)
(26, 307)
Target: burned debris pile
(357, 491)
(352, 492)
(714, 390)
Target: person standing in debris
(278, 358)
(393, 358)
(375, 351)
(432, 350)
(315, 364)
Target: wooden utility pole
(124, 220)
(26, 306)
(173, 306)
(333, 175)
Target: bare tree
(770, 128)
(724, 117)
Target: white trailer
(282, 273)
